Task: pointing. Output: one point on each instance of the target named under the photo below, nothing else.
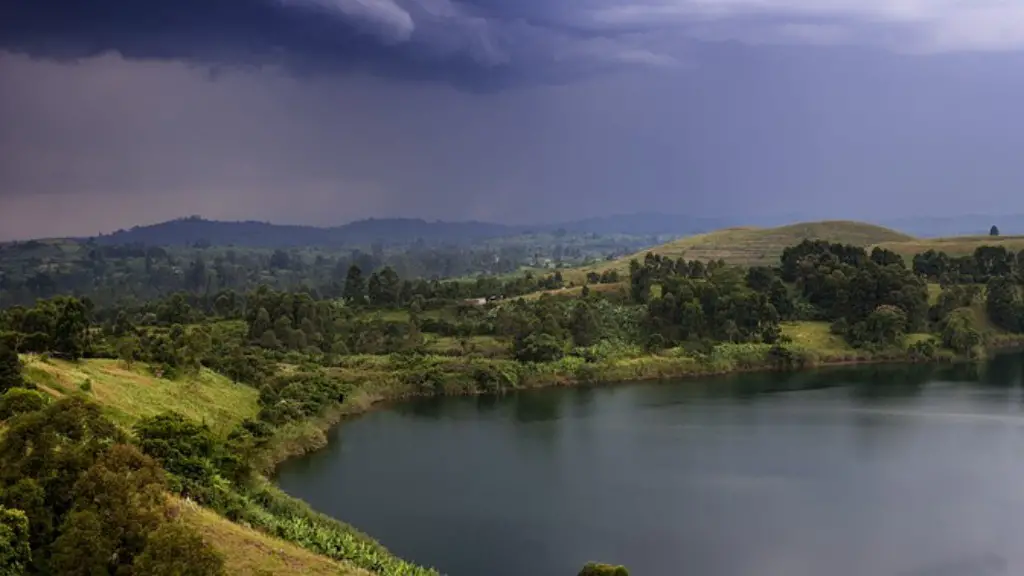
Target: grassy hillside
(754, 246)
(251, 553)
(954, 246)
(131, 394)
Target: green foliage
(175, 550)
(15, 549)
(118, 502)
(959, 332)
(51, 449)
(538, 347)
(1003, 304)
(297, 396)
(596, 569)
(17, 401)
(187, 450)
(10, 369)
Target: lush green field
(129, 394)
(761, 246)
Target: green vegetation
(188, 400)
(129, 394)
(595, 569)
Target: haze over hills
(196, 230)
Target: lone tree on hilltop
(993, 231)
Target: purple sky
(117, 112)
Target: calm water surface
(871, 471)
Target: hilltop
(748, 246)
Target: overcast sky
(119, 112)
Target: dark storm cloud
(484, 43)
(480, 43)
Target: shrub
(19, 401)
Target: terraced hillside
(754, 246)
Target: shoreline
(308, 436)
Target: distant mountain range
(195, 230)
(402, 231)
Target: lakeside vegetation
(196, 396)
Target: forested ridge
(81, 494)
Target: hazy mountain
(195, 230)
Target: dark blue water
(871, 471)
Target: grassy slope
(131, 394)
(248, 552)
(955, 246)
(128, 395)
(753, 246)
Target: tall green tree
(15, 551)
(123, 495)
(355, 286)
(10, 369)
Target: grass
(488, 346)
(750, 246)
(129, 394)
(954, 246)
(816, 336)
(249, 552)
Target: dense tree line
(117, 273)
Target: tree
(56, 445)
(175, 550)
(119, 501)
(184, 448)
(84, 547)
(993, 231)
(886, 325)
(355, 287)
(959, 333)
(10, 369)
(127, 348)
(19, 401)
(15, 551)
(583, 324)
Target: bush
(20, 401)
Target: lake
(873, 471)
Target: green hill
(749, 246)
(953, 246)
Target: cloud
(487, 43)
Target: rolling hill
(953, 246)
(749, 246)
